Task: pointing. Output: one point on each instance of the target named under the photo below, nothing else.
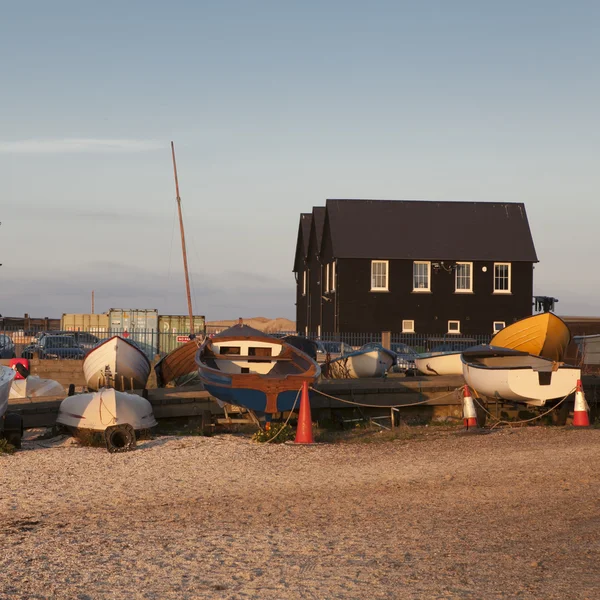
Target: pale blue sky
(274, 107)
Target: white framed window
(421, 276)
(408, 326)
(453, 326)
(327, 278)
(464, 277)
(332, 288)
(304, 283)
(502, 283)
(498, 326)
(379, 275)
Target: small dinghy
(248, 368)
(518, 376)
(446, 362)
(543, 334)
(117, 363)
(372, 360)
(11, 424)
(117, 415)
(35, 387)
(178, 366)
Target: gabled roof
(302, 240)
(409, 229)
(319, 224)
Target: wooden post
(386, 339)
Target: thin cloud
(78, 145)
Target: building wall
(361, 310)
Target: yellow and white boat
(543, 335)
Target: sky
(275, 106)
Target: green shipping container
(175, 330)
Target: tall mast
(185, 265)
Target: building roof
(305, 224)
(409, 229)
(319, 224)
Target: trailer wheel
(22, 370)
(71, 391)
(13, 429)
(561, 414)
(119, 438)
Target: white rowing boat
(518, 376)
(116, 363)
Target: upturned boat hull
(247, 368)
(34, 387)
(116, 363)
(518, 376)
(108, 407)
(7, 376)
(543, 335)
(361, 364)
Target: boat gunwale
(89, 352)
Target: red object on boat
(18, 361)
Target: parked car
(405, 362)
(83, 339)
(7, 346)
(55, 346)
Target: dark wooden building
(413, 267)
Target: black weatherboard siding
(352, 233)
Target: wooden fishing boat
(116, 363)
(372, 360)
(248, 368)
(179, 365)
(518, 376)
(543, 334)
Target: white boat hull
(98, 410)
(532, 386)
(34, 387)
(444, 363)
(116, 363)
(6, 378)
(375, 363)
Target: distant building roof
(410, 229)
(319, 224)
(305, 224)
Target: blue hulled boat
(251, 369)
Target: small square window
(498, 326)
(453, 326)
(408, 326)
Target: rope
(287, 420)
(453, 392)
(106, 409)
(511, 423)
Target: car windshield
(60, 342)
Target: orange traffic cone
(304, 430)
(580, 414)
(469, 414)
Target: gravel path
(447, 515)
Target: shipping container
(175, 330)
(137, 324)
(93, 323)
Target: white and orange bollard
(580, 414)
(469, 413)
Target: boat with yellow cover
(543, 334)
